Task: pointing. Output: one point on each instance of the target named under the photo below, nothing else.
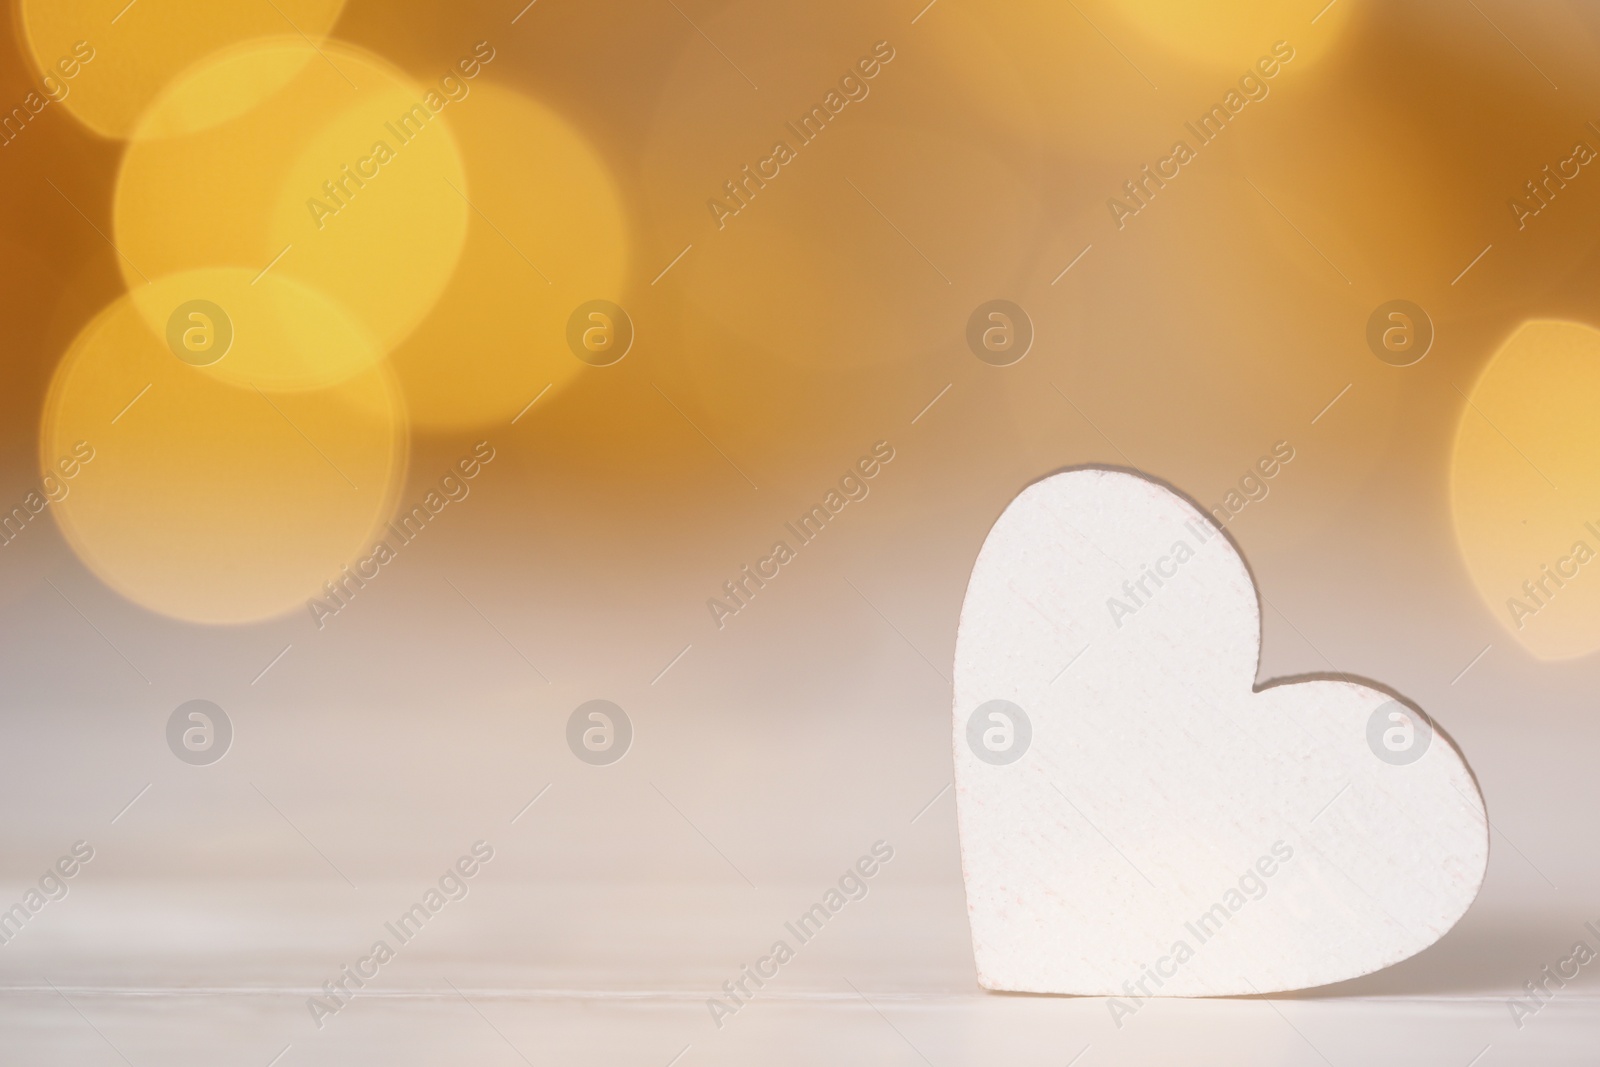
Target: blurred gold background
(397, 211)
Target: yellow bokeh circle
(335, 172)
(1525, 487)
(546, 234)
(211, 502)
(106, 60)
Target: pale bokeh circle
(206, 501)
(130, 60)
(357, 193)
(546, 234)
(1525, 487)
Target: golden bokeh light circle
(546, 234)
(104, 61)
(342, 177)
(206, 501)
(1525, 487)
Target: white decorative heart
(1150, 823)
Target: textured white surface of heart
(1138, 816)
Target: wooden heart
(1137, 817)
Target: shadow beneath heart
(1485, 956)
